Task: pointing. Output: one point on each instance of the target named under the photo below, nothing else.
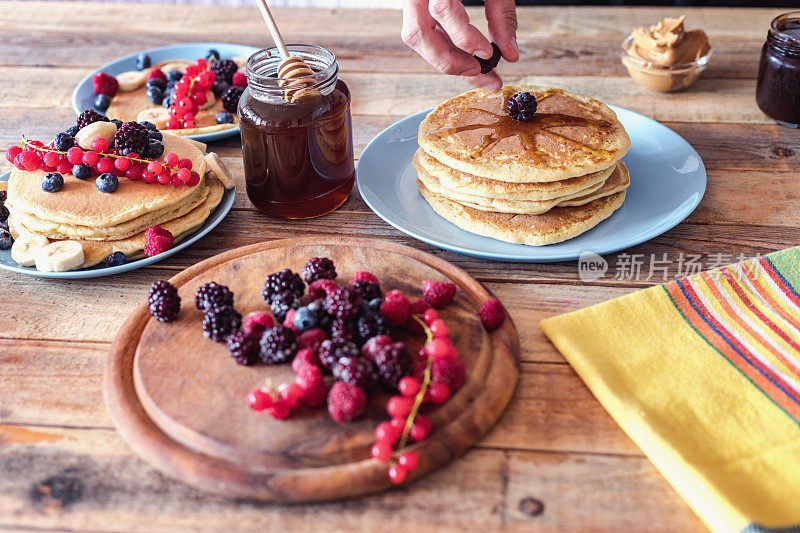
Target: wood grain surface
(556, 460)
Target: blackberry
(284, 280)
(155, 149)
(116, 259)
(132, 137)
(393, 363)
(369, 290)
(319, 268)
(243, 347)
(225, 69)
(3, 196)
(372, 324)
(277, 345)
(90, 116)
(219, 87)
(343, 302)
(63, 141)
(72, 131)
(522, 106)
(221, 321)
(331, 350)
(488, 65)
(375, 304)
(6, 240)
(3, 212)
(355, 371)
(342, 329)
(280, 304)
(230, 98)
(164, 302)
(212, 295)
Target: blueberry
(4, 226)
(212, 55)
(82, 172)
(142, 61)
(155, 134)
(101, 102)
(155, 149)
(4, 212)
(63, 142)
(117, 122)
(224, 118)
(375, 304)
(219, 87)
(106, 182)
(6, 241)
(149, 125)
(155, 95)
(52, 182)
(156, 82)
(167, 102)
(305, 319)
(174, 74)
(116, 259)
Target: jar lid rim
(782, 33)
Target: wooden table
(556, 460)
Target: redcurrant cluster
(190, 94)
(33, 155)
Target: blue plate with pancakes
(668, 180)
(83, 95)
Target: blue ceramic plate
(83, 95)
(668, 180)
(100, 270)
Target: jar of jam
(298, 152)
(778, 88)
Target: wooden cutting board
(180, 401)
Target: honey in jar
(297, 146)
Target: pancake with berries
(142, 95)
(524, 134)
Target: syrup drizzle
(504, 127)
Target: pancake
(97, 251)
(456, 181)
(569, 136)
(556, 225)
(80, 203)
(126, 106)
(617, 181)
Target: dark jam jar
(778, 89)
(298, 155)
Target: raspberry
(396, 309)
(332, 350)
(346, 402)
(492, 314)
(369, 290)
(288, 320)
(219, 322)
(312, 338)
(256, 322)
(282, 303)
(342, 329)
(230, 98)
(164, 302)
(90, 116)
(239, 80)
(311, 381)
(284, 280)
(212, 295)
(305, 357)
(419, 306)
(243, 347)
(356, 371)
(393, 363)
(438, 294)
(132, 137)
(105, 84)
(370, 325)
(449, 371)
(363, 275)
(157, 240)
(277, 345)
(321, 287)
(343, 302)
(156, 74)
(319, 268)
(488, 65)
(522, 106)
(225, 69)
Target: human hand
(440, 32)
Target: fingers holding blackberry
(502, 18)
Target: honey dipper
(293, 73)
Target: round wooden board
(179, 399)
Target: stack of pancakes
(537, 182)
(104, 223)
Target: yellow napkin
(703, 373)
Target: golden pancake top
(569, 136)
(79, 202)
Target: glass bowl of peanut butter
(665, 57)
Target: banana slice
(156, 115)
(132, 80)
(175, 64)
(240, 62)
(59, 256)
(200, 146)
(96, 130)
(24, 249)
(210, 100)
(220, 170)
